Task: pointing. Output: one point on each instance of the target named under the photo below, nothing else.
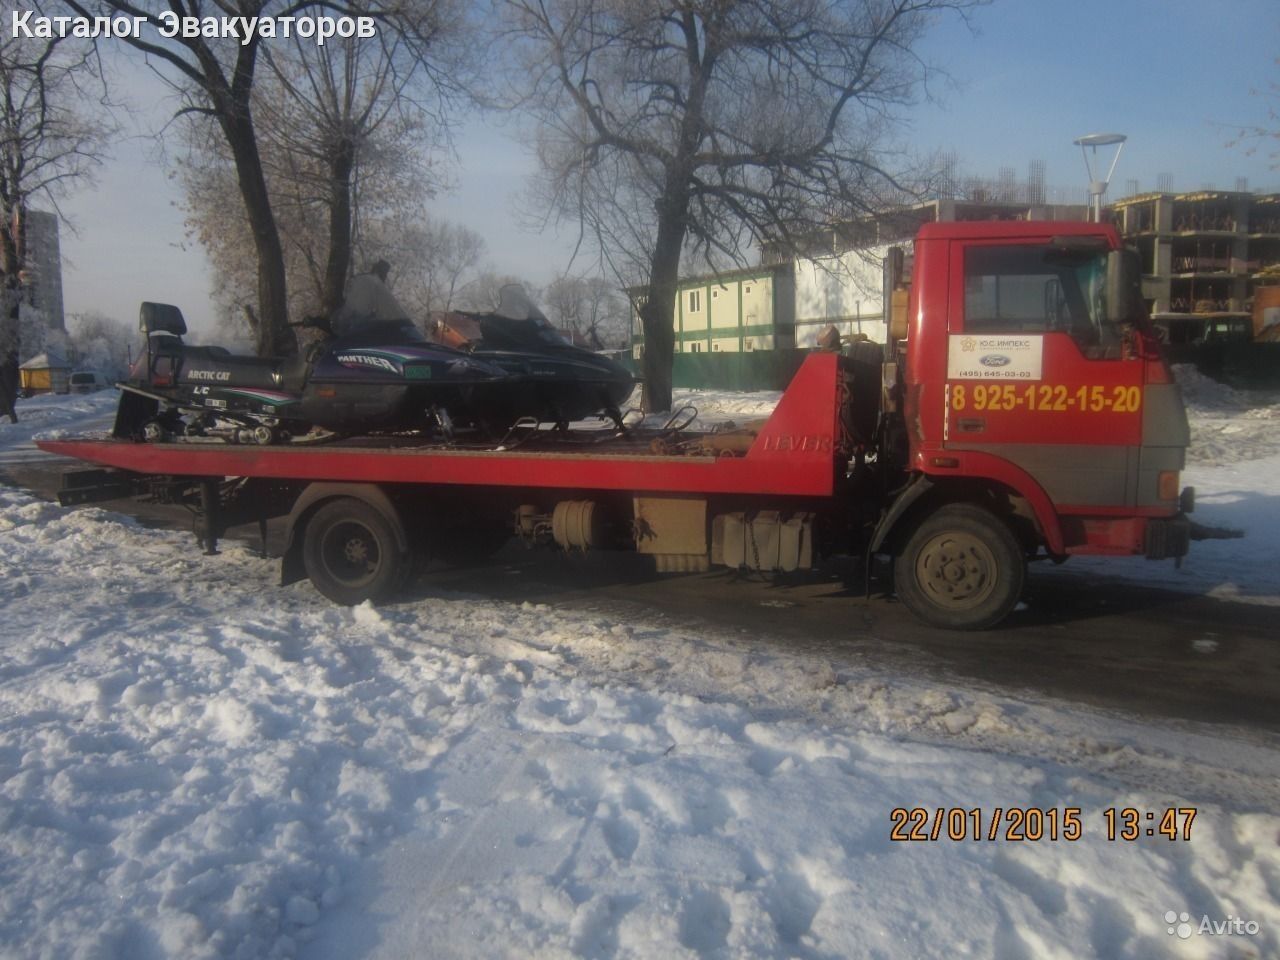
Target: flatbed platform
(794, 454)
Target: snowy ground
(49, 414)
(192, 765)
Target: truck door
(1035, 373)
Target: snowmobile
(561, 382)
(384, 377)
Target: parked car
(88, 381)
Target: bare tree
(101, 343)
(563, 299)
(337, 112)
(434, 261)
(222, 229)
(483, 293)
(376, 200)
(592, 307)
(49, 141)
(215, 78)
(1264, 136)
(214, 74)
(722, 123)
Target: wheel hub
(356, 551)
(350, 553)
(956, 569)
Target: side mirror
(1123, 290)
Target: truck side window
(1033, 288)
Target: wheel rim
(956, 570)
(350, 554)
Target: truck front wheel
(351, 554)
(961, 568)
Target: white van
(88, 381)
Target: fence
(751, 370)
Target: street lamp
(1089, 144)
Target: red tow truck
(1020, 409)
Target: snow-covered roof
(44, 361)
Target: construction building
(1204, 256)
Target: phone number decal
(1045, 397)
(1032, 824)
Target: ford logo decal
(994, 360)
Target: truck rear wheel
(350, 553)
(961, 568)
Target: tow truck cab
(1029, 380)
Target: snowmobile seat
(164, 326)
(161, 318)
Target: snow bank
(195, 764)
(51, 415)
(704, 409)
(1228, 425)
(717, 405)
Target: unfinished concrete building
(1204, 254)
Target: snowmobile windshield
(517, 321)
(383, 333)
(514, 304)
(503, 332)
(547, 333)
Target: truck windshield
(1037, 288)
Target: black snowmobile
(386, 377)
(560, 382)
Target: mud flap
(135, 409)
(1165, 539)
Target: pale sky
(1174, 75)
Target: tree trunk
(658, 314)
(10, 321)
(273, 335)
(341, 163)
(10, 349)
